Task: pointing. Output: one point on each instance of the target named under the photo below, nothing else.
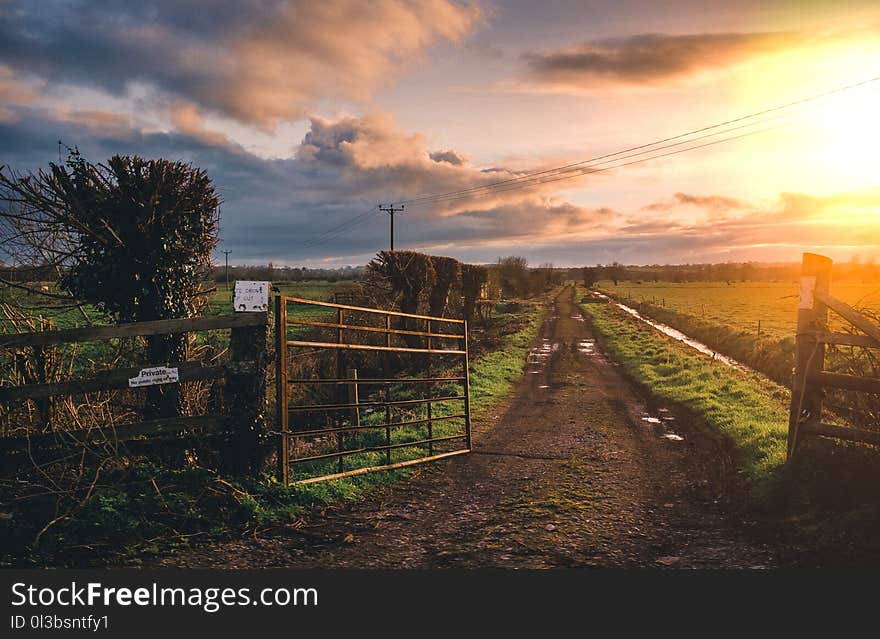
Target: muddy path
(576, 470)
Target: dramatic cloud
(257, 61)
(650, 58)
(838, 224)
(280, 209)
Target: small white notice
(154, 376)
(808, 286)
(250, 297)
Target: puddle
(543, 386)
(661, 425)
(678, 335)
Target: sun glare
(846, 138)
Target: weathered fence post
(806, 399)
(246, 397)
(282, 392)
(352, 373)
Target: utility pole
(391, 210)
(226, 253)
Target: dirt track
(575, 470)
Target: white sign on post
(250, 297)
(154, 376)
(808, 287)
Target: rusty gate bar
(344, 332)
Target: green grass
(747, 408)
(84, 354)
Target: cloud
(274, 208)
(714, 203)
(795, 223)
(450, 157)
(13, 92)
(188, 119)
(257, 61)
(651, 58)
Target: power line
(532, 175)
(585, 170)
(342, 226)
(353, 223)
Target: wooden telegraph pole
(391, 210)
(226, 253)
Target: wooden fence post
(282, 392)
(353, 396)
(806, 399)
(246, 397)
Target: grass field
(220, 303)
(740, 305)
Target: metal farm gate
(410, 403)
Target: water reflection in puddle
(586, 346)
(660, 424)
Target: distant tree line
(511, 277)
(271, 273)
(730, 273)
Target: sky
(307, 115)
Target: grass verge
(773, 357)
(823, 507)
(749, 409)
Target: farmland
(740, 305)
